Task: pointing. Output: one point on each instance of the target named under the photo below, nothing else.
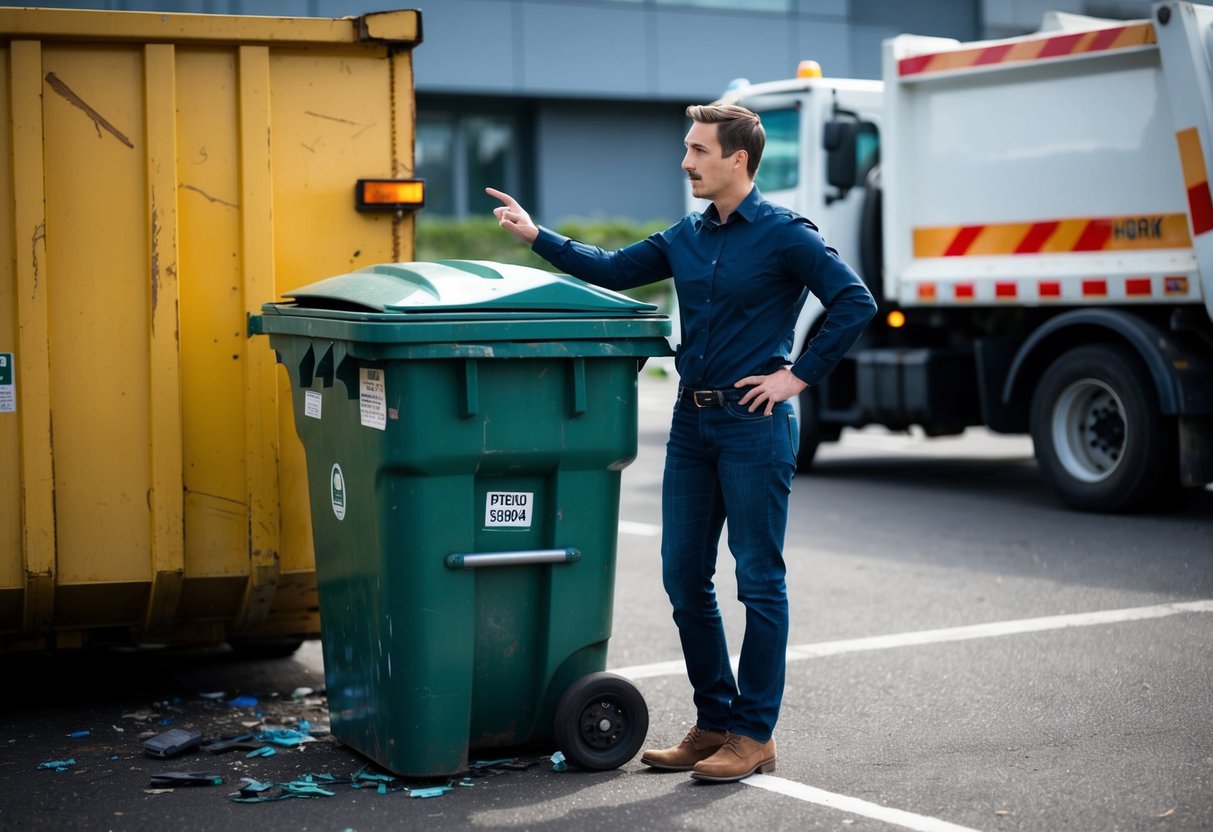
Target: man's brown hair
(737, 129)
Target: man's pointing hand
(512, 217)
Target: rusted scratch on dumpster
(208, 197)
(155, 259)
(38, 237)
(334, 118)
(99, 120)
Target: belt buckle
(708, 398)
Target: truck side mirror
(838, 139)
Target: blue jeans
(727, 462)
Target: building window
(490, 144)
(730, 5)
(434, 163)
(460, 154)
(733, 5)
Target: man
(742, 270)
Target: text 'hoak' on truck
(1033, 215)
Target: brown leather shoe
(738, 758)
(698, 745)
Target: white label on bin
(372, 397)
(337, 491)
(509, 509)
(8, 386)
(311, 403)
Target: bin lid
(477, 287)
(464, 309)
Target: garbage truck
(1033, 215)
(166, 174)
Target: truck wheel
(1100, 439)
(810, 429)
(601, 722)
(812, 432)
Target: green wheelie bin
(465, 424)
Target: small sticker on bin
(509, 509)
(312, 403)
(372, 397)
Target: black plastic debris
(173, 742)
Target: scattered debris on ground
(210, 725)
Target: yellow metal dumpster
(166, 170)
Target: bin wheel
(601, 722)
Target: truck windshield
(780, 166)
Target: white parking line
(639, 529)
(996, 628)
(991, 630)
(853, 805)
(898, 817)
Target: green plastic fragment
(252, 787)
(287, 737)
(363, 775)
(307, 789)
(57, 765)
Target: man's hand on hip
(779, 386)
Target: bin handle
(458, 561)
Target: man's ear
(740, 159)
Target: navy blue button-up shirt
(740, 285)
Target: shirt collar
(748, 209)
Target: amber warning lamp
(389, 194)
(808, 69)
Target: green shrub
(480, 238)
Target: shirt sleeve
(848, 303)
(635, 265)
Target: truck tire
(1100, 439)
(810, 429)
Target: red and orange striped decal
(1035, 49)
(1152, 231)
(1126, 289)
(1196, 179)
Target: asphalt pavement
(965, 655)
